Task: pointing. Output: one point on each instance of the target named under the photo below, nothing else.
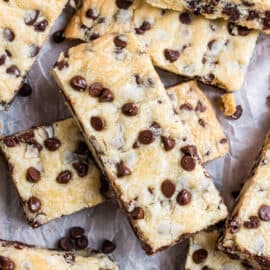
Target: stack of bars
(130, 139)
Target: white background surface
(46, 105)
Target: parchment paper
(46, 105)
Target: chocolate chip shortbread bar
(247, 233)
(203, 255)
(15, 255)
(52, 171)
(194, 108)
(138, 141)
(216, 52)
(24, 27)
(253, 14)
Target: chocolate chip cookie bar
(203, 255)
(215, 51)
(15, 255)
(24, 27)
(252, 14)
(141, 145)
(247, 232)
(52, 170)
(194, 108)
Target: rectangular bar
(253, 14)
(202, 254)
(24, 27)
(15, 255)
(52, 170)
(180, 42)
(247, 232)
(138, 141)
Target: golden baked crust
(214, 51)
(130, 125)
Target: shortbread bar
(247, 233)
(24, 27)
(203, 255)
(138, 141)
(253, 14)
(196, 111)
(52, 170)
(15, 255)
(216, 52)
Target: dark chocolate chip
(6, 263)
(122, 169)
(10, 141)
(65, 244)
(94, 36)
(106, 96)
(231, 11)
(81, 168)
(34, 204)
(183, 197)
(8, 34)
(97, 123)
(26, 137)
(130, 109)
(108, 247)
(81, 243)
(146, 137)
(25, 90)
(82, 148)
(233, 225)
(155, 125)
(76, 232)
(190, 150)
(264, 212)
(186, 106)
(168, 142)
(13, 70)
(32, 18)
(146, 26)
(168, 188)
(200, 107)
(119, 42)
(252, 15)
(78, 83)
(124, 4)
(210, 44)
(95, 89)
(52, 144)
(238, 112)
(33, 175)
(41, 26)
(199, 256)
(171, 55)
(105, 188)
(91, 14)
(61, 64)
(185, 18)
(138, 79)
(248, 3)
(137, 213)
(64, 177)
(188, 163)
(2, 59)
(235, 30)
(201, 122)
(223, 140)
(252, 223)
(58, 36)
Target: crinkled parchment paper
(105, 221)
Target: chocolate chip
(183, 197)
(124, 4)
(199, 256)
(264, 212)
(200, 107)
(252, 14)
(65, 244)
(252, 223)
(91, 14)
(146, 26)
(81, 168)
(235, 30)
(10, 141)
(106, 96)
(190, 150)
(58, 36)
(231, 11)
(168, 142)
(2, 59)
(188, 163)
(223, 140)
(81, 243)
(201, 122)
(238, 112)
(120, 42)
(105, 189)
(95, 89)
(186, 106)
(26, 137)
(76, 232)
(6, 263)
(248, 3)
(52, 144)
(31, 17)
(13, 70)
(34, 204)
(94, 36)
(8, 34)
(33, 175)
(41, 26)
(146, 137)
(233, 225)
(168, 188)
(82, 149)
(185, 18)
(61, 64)
(130, 109)
(171, 55)
(78, 83)
(137, 213)
(138, 79)
(26, 90)
(108, 247)
(97, 123)
(122, 169)
(64, 177)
